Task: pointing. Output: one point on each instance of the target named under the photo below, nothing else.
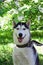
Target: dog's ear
(14, 23)
(28, 23)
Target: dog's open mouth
(20, 39)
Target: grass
(40, 53)
(5, 48)
(41, 59)
(6, 44)
(5, 55)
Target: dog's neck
(29, 44)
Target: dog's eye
(17, 28)
(24, 28)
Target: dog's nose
(20, 34)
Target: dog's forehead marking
(21, 24)
(18, 26)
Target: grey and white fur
(24, 52)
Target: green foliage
(6, 36)
(38, 33)
(27, 8)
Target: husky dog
(24, 52)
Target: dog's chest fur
(24, 56)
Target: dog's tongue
(20, 39)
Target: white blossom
(40, 9)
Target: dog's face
(21, 33)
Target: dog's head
(21, 33)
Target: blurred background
(19, 11)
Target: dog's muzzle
(20, 37)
